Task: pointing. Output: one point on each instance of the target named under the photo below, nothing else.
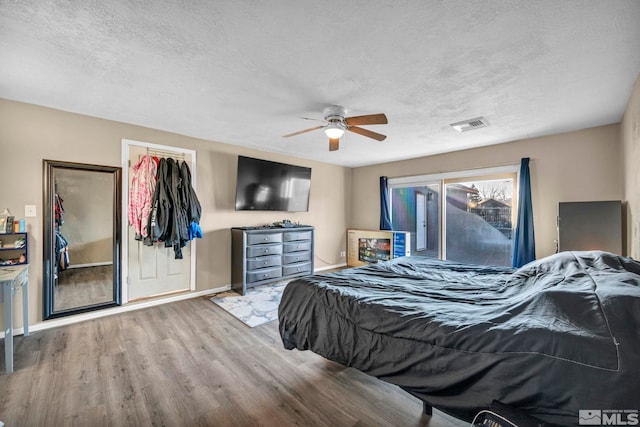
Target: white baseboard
(329, 267)
(54, 323)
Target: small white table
(12, 278)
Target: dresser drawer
(298, 268)
(263, 261)
(261, 250)
(255, 239)
(292, 257)
(290, 236)
(264, 274)
(304, 245)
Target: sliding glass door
(472, 223)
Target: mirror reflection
(82, 232)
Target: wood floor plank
(190, 363)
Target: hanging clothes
(193, 207)
(160, 206)
(166, 213)
(141, 190)
(175, 208)
(179, 225)
(61, 252)
(58, 211)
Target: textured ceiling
(244, 72)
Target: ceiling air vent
(471, 124)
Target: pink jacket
(143, 184)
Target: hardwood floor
(190, 363)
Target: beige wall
(576, 166)
(29, 134)
(630, 137)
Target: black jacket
(193, 207)
(175, 205)
(160, 208)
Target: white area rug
(258, 306)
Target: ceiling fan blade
(302, 131)
(368, 133)
(371, 119)
(334, 144)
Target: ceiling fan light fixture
(337, 124)
(334, 130)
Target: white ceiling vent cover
(471, 124)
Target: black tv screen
(262, 185)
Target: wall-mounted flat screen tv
(263, 185)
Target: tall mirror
(82, 245)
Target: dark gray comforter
(556, 336)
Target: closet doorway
(153, 271)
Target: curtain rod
(497, 165)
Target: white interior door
(421, 222)
(153, 270)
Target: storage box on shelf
(14, 249)
(262, 255)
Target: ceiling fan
(337, 124)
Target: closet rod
(166, 154)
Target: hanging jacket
(141, 190)
(176, 210)
(58, 211)
(172, 177)
(61, 252)
(180, 230)
(193, 208)
(160, 208)
(168, 221)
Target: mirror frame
(49, 239)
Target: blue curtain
(524, 247)
(385, 215)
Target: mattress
(559, 335)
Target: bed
(557, 336)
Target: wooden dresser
(261, 255)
